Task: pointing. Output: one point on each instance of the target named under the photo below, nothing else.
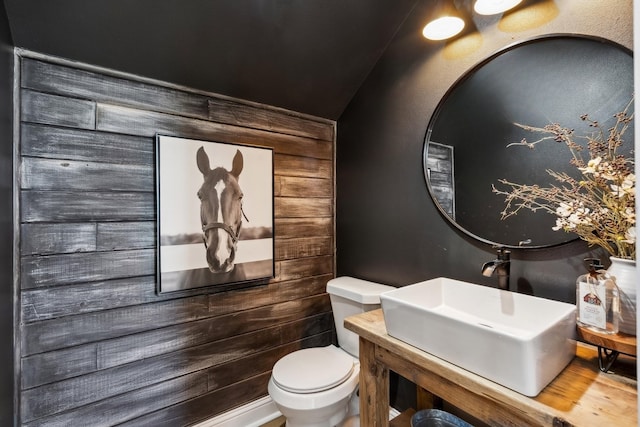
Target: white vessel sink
(519, 341)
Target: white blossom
(630, 235)
(592, 166)
(564, 210)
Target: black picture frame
(215, 210)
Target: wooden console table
(581, 395)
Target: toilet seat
(313, 370)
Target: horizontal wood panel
(202, 407)
(57, 238)
(51, 302)
(126, 235)
(225, 111)
(65, 269)
(130, 405)
(303, 247)
(75, 144)
(247, 390)
(60, 238)
(102, 325)
(303, 167)
(159, 341)
(72, 362)
(53, 174)
(53, 78)
(57, 110)
(70, 206)
(193, 384)
(58, 333)
(304, 267)
(117, 119)
(248, 298)
(53, 366)
(293, 186)
(61, 364)
(74, 392)
(72, 82)
(289, 228)
(299, 207)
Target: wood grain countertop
(581, 395)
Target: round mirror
(547, 80)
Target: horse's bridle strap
(222, 225)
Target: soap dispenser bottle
(597, 299)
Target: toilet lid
(313, 369)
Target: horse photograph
(215, 214)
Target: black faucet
(499, 266)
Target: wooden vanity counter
(581, 395)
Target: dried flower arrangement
(600, 206)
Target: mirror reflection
(547, 80)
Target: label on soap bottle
(593, 310)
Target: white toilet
(316, 387)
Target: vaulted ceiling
(309, 56)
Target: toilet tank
(350, 296)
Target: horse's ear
(203, 161)
(238, 164)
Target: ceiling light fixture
(446, 24)
(493, 7)
(443, 28)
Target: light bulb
(443, 28)
(492, 7)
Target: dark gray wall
(6, 223)
(388, 228)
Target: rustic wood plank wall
(98, 345)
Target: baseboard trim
(393, 412)
(253, 414)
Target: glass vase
(624, 271)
